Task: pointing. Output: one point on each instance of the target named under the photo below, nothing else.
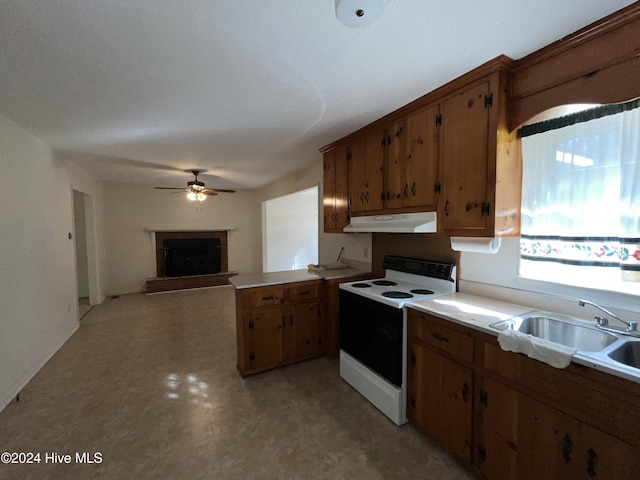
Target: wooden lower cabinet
(301, 333)
(496, 450)
(553, 445)
(278, 325)
(528, 421)
(439, 392)
(264, 339)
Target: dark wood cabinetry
(366, 173)
(412, 161)
(439, 387)
(278, 325)
(481, 171)
(537, 422)
(527, 419)
(335, 190)
(449, 151)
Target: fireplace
(184, 257)
(190, 259)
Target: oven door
(371, 332)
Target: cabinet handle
(437, 336)
(366, 197)
(446, 208)
(592, 462)
(306, 292)
(405, 190)
(270, 297)
(284, 322)
(567, 447)
(413, 189)
(465, 392)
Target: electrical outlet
(365, 252)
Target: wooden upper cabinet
(481, 178)
(412, 160)
(336, 190)
(366, 167)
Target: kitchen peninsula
(289, 316)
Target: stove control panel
(426, 268)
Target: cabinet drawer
(303, 293)
(266, 296)
(439, 336)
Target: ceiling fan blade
(221, 190)
(209, 192)
(169, 188)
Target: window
(290, 231)
(581, 199)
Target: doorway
(85, 252)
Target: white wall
(37, 278)
(329, 244)
(131, 209)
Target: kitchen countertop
(479, 312)
(251, 280)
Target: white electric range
(373, 328)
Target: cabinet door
(497, 449)
(263, 329)
(335, 190)
(603, 456)
(439, 399)
(465, 160)
(366, 173)
(456, 386)
(412, 166)
(329, 190)
(302, 331)
(548, 442)
(423, 383)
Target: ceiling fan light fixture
(359, 13)
(194, 194)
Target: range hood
(423, 222)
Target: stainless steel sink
(628, 354)
(560, 329)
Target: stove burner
(422, 291)
(393, 294)
(360, 285)
(384, 283)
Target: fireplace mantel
(189, 229)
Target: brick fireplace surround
(161, 283)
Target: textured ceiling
(140, 90)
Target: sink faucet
(603, 322)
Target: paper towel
(475, 244)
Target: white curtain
(581, 190)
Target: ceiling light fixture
(358, 13)
(195, 192)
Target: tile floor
(149, 383)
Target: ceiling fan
(196, 189)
